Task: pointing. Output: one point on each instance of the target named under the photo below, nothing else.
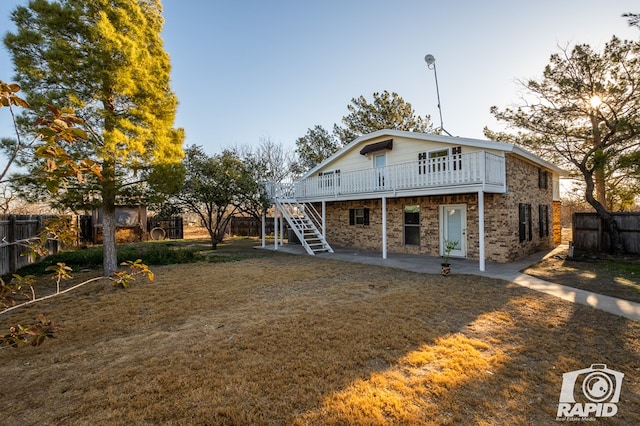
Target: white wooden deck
(469, 172)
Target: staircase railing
(304, 221)
(313, 215)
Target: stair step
(303, 225)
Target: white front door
(453, 226)
(379, 164)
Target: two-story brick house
(406, 192)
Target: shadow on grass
(500, 364)
(285, 339)
(615, 276)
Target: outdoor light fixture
(431, 64)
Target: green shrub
(160, 254)
(91, 258)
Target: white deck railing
(454, 170)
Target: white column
(324, 219)
(281, 229)
(264, 227)
(481, 227)
(384, 227)
(275, 228)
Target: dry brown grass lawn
(284, 339)
(616, 276)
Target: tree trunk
(110, 260)
(599, 161)
(600, 187)
(610, 225)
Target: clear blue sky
(254, 69)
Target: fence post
(180, 225)
(13, 249)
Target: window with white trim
(359, 216)
(412, 225)
(440, 160)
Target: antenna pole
(431, 64)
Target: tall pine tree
(583, 114)
(106, 60)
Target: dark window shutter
(544, 220)
(529, 219)
(543, 179)
(541, 220)
(522, 222)
(539, 179)
(366, 216)
(352, 216)
(422, 163)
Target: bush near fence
(16, 231)
(589, 232)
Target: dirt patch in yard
(281, 339)
(616, 276)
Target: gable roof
(453, 140)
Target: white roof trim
(454, 140)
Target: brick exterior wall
(557, 223)
(522, 187)
(501, 219)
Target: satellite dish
(430, 59)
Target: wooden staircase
(305, 221)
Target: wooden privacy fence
(171, 228)
(243, 226)
(590, 234)
(16, 231)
